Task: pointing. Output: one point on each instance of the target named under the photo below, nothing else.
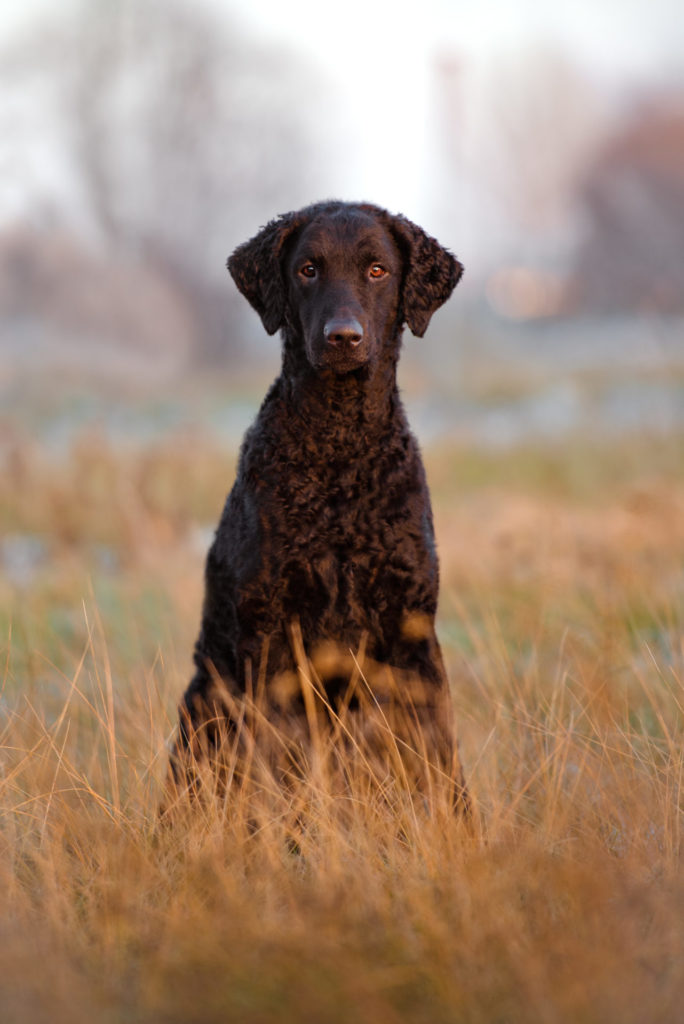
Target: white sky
(378, 56)
(375, 59)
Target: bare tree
(180, 133)
(631, 256)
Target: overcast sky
(376, 60)
(379, 57)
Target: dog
(321, 584)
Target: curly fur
(328, 524)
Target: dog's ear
(255, 266)
(431, 273)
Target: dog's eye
(308, 270)
(377, 271)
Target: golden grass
(562, 618)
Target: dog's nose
(343, 331)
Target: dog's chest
(346, 534)
(340, 507)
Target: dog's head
(344, 277)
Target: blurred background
(543, 143)
(141, 140)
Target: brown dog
(322, 581)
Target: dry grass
(562, 620)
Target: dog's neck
(340, 404)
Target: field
(562, 621)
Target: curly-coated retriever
(326, 543)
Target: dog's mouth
(344, 363)
(341, 359)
